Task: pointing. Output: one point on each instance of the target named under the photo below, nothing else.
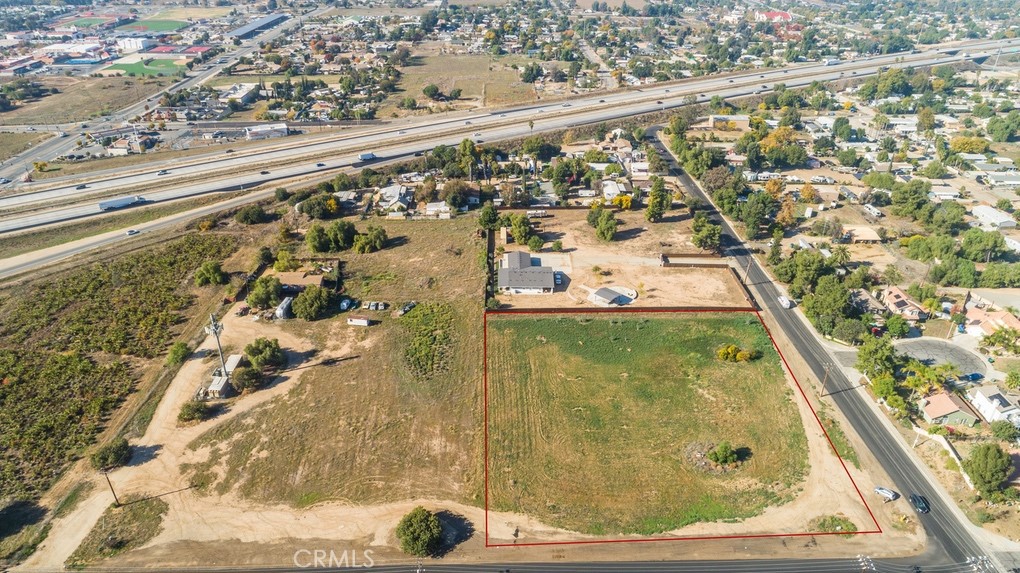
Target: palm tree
(840, 255)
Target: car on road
(82, 186)
(887, 493)
(730, 81)
(786, 71)
(4, 181)
(602, 101)
(972, 377)
(131, 232)
(477, 134)
(467, 122)
(263, 172)
(659, 102)
(566, 105)
(764, 87)
(320, 164)
(162, 172)
(502, 115)
(785, 302)
(401, 132)
(418, 154)
(230, 151)
(919, 503)
(762, 76)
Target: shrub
(251, 215)
(420, 532)
(723, 454)
(245, 378)
(179, 352)
(111, 455)
(193, 410)
(557, 246)
(210, 273)
(535, 243)
(265, 353)
(1005, 431)
(733, 353)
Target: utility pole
(106, 474)
(824, 379)
(215, 328)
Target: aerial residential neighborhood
(484, 286)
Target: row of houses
(989, 403)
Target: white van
(785, 302)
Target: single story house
(900, 303)
(947, 409)
(517, 275)
(395, 197)
(991, 217)
(984, 321)
(995, 404)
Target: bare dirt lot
(83, 98)
(631, 262)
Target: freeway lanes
(419, 137)
(946, 529)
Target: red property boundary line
(757, 314)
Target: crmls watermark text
(308, 558)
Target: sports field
(600, 423)
(153, 26)
(151, 68)
(87, 22)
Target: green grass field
(153, 26)
(153, 68)
(87, 22)
(596, 422)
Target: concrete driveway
(932, 351)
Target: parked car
(381, 305)
(887, 493)
(4, 181)
(919, 503)
(407, 307)
(972, 377)
(558, 277)
(345, 304)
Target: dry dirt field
(632, 261)
(12, 144)
(82, 98)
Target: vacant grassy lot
(489, 80)
(153, 25)
(397, 414)
(12, 144)
(596, 422)
(152, 68)
(83, 98)
(121, 529)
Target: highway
(402, 139)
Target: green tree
(828, 304)
(840, 255)
(251, 215)
(179, 352)
(265, 292)
(211, 273)
(776, 248)
(988, 466)
(1005, 430)
(535, 243)
(265, 353)
(606, 227)
(341, 235)
(112, 454)
(488, 219)
(877, 356)
(286, 262)
(707, 237)
(934, 170)
(317, 239)
(1013, 380)
(373, 240)
(245, 378)
(431, 91)
(313, 303)
(897, 326)
(420, 532)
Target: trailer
(366, 156)
(537, 214)
(121, 202)
(359, 321)
(283, 310)
(831, 62)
